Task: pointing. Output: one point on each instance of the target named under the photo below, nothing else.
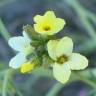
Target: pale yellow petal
(50, 15)
(61, 72)
(51, 45)
(58, 25)
(78, 61)
(38, 19)
(65, 47)
(38, 28)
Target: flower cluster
(38, 47)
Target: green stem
(6, 75)
(84, 79)
(58, 86)
(87, 47)
(91, 15)
(4, 32)
(90, 93)
(5, 2)
(89, 28)
(43, 72)
(83, 16)
(55, 89)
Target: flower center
(62, 59)
(46, 28)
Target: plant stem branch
(87, 47)
(84, 79)
(6, 75)
(55, 89)
(4, 32)
(81, 11)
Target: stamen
(62, 59)
(47, 28)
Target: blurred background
(80, 17)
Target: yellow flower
(48, 24)
(65, 61)
(27, 67)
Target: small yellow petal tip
(27, 67)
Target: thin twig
(4, 91)
(80, 10)
(84, 79)
(55, 89)
(3, 31)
